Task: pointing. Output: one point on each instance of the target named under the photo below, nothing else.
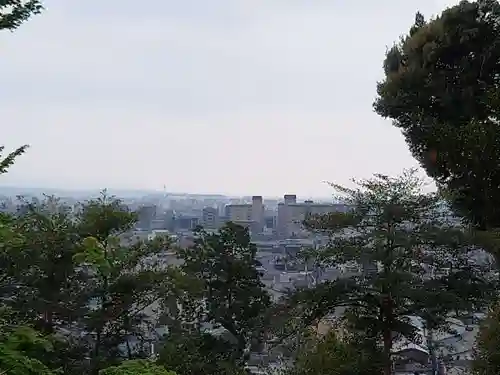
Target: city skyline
(13, 190)
(233, 97)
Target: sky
(261, 97)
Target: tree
(21, 347)
(136, 367)
(487, 351)
(415, 263)
(234, 296)
(13, 13)
(74, 278)
(230, 298)
(330, 355)
(123, 283)
(441, 89)
(42, 274)
(8, 237)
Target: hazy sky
(231, 96)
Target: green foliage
(73, 278)
(222, 304)
(19, 349)
(136, 367)
(198, 353)
(225, 265)
(329, 355)
(122, 281)
(104, 217)
(440, 89)
(15, 12)
(8, 160)
(42, 264)
(10, 243)
(414, 264)
(487, 353)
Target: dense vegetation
(441, 90)
(80, 295)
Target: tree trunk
(387, 319)
(387, 352)
(129, 350)
(95, 365)
(49, 321)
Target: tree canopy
(415, 264)
(223, 315)
(441, 89)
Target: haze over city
(222, 96)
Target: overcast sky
(203, 96)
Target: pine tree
(230, 296)
(415, 262)
(441, 89)
(42, 270)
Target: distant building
(169, 220)
(158, 224)
(250, 215)
(291, 214)
(187, 222)
(239, 212)
(257, 214)
(210, 218)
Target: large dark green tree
(234, 296)
(229, 301)
(441, 89)
(415, 263)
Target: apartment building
(291, 214)
(250, 215)
(210, 218)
